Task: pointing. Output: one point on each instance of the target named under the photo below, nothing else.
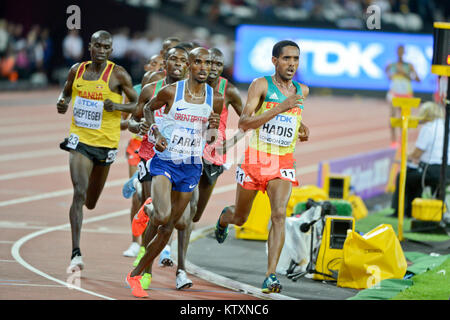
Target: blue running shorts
(184, 176)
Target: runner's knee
(161, 217)
(278, 216)
(165, 231)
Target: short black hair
(176, 47)
(216, 51)
(187, 45)
(278, 47)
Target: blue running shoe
(164, 258)
(271, 284)
(128, 188)
(221, 233)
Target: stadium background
(36, 191)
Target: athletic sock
(75, 252)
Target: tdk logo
(89, 103)
(282, 118)
(335, 58)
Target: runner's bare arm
(256, 94)
(124, 121)
(214, 118)
(303, 130)
(234, 98)
(163, 98)
(66, 94)
(137, 122)
(126, 87)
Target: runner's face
(177, 64)
(216, 66)
(167, 46)
(155, 64)
(200, 66)
(286, 64)
(100, 49)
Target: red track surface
(36, 192)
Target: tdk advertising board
(335, 58)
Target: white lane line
(15, 250)
(31, 285)
(113, 183)
(219, 279)
(41, 152)
(30, 154)
(42, 171)
(8, 261)
(55, 194)
(28, 128)
(6, 242)
(30, 140)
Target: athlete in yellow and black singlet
(95, 88)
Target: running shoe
(164, 258)
(128, 188)
(146, 280)
(132, 250)
(135, 285)
(139, 256)
(182, 281)
(221, 233)
(271, 284)
(76, 264)
(140, 220)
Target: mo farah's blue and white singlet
(185, 127)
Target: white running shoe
(76, 264)
(183, 282)
(132, 250)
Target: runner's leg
(80, 171)
(279, 192)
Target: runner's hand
(214, 120)
(291, 102)
(108, 105)
(161, 143)
(303, 133)
(62, 105)
(143, 127)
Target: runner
(274, 111)
(191, 106)
(96, 89)
(176, 66)
(165, 256)
(150, 77)
(213, 161)
(155, 64)
(400, 74)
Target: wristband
(153, 127)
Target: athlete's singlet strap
(222, 85)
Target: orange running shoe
(136, 288)
(140, 220)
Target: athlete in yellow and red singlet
(95, 87)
